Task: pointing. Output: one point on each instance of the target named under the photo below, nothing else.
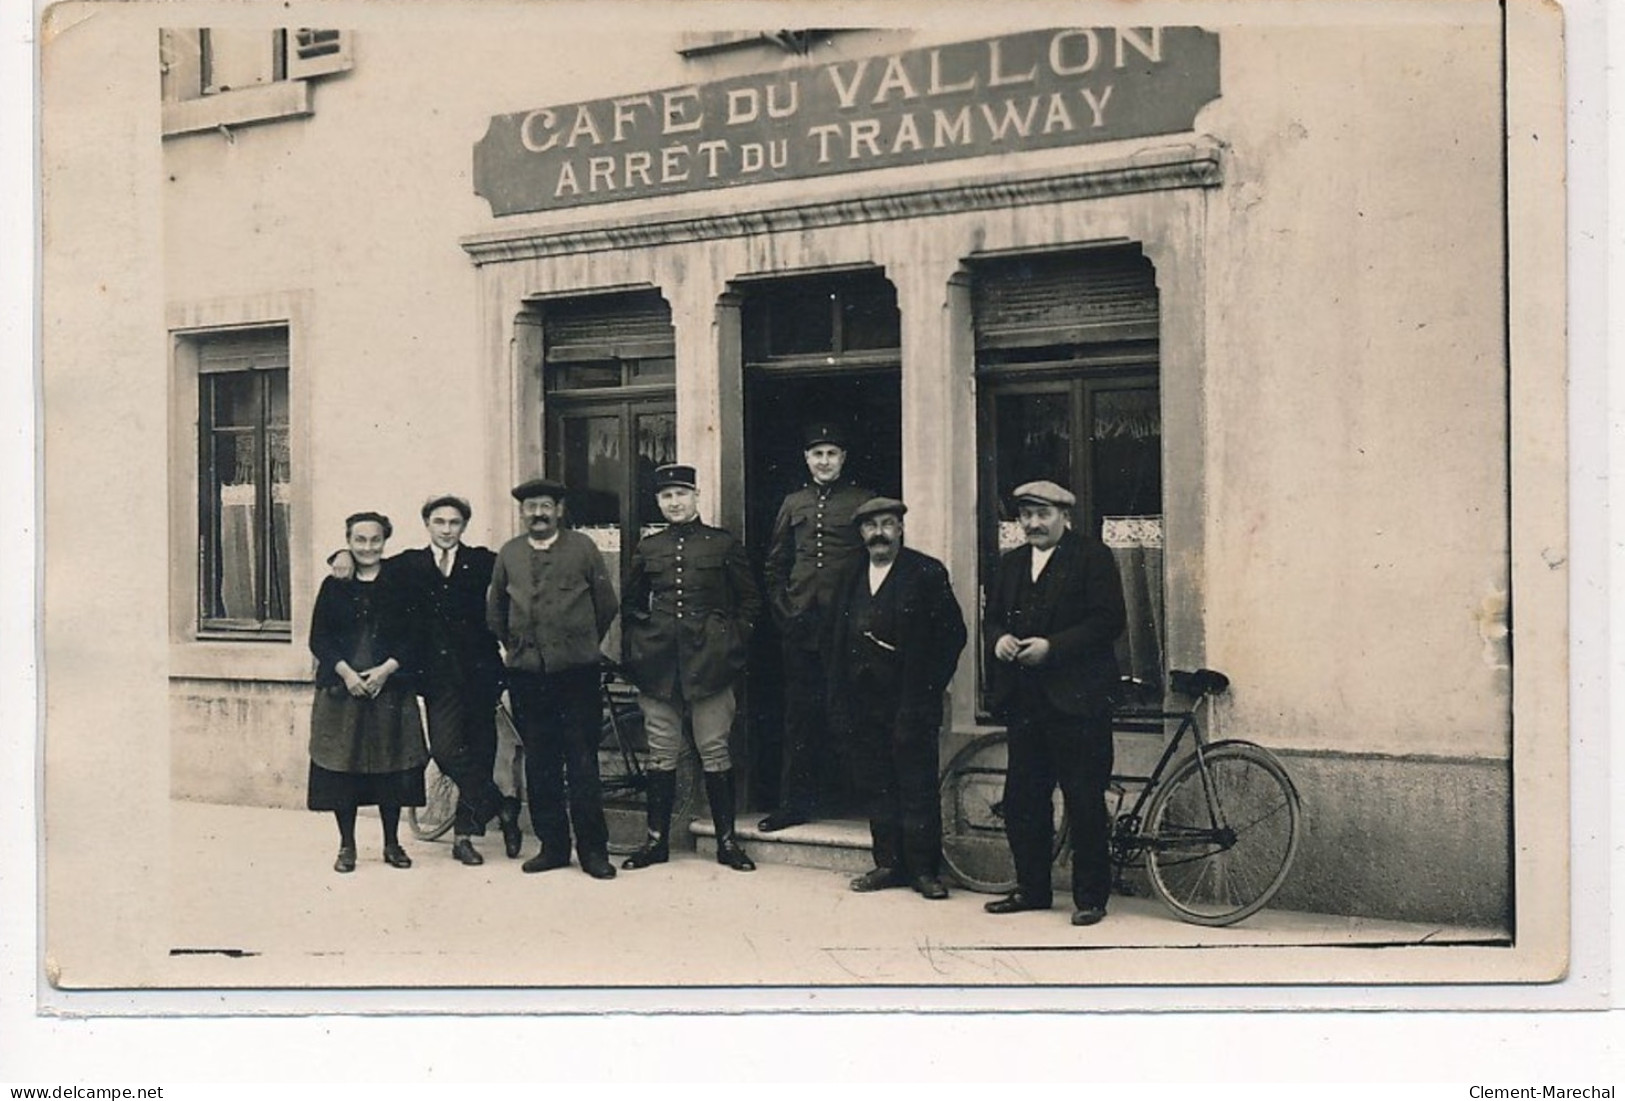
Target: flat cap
(539, 487)
(675, 474)
(823, 432)
(875, 506)
(1044, 493)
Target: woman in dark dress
(366, 738)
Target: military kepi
(1044, 493)
(823, 432)
(675, 474)
(539, 487)
(875, 506)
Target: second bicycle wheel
(1220, 843)
(975, 848)
(431, 821)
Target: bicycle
(622, 750)
(1215, 832)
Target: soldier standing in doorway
(686, 620)
(813, 541)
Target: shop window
(215, 76)
(244, 483)
(1067, 368)
(608, 370)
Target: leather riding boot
(656, 848)
(719, 792)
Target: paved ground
(258, 885)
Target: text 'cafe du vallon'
(1033, 90)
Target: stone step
(841, 845)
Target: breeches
(712, 719)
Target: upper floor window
(229, 76)
(244, 482)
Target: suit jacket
(918, 630)
(1081, 616)
(687, 612)
(455, 651)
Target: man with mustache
(550, 603)
(893, 638)
(1053, 613)
(686, 619)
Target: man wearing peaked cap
(1054, 610)
(686, 619)
(813, 540)
(551, 602)
(892, 641)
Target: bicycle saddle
(1203, 682)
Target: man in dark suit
(1053, 613)
(687, 615)
(894, 636)
(461, 675)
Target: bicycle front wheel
(1220, 840)
(431, 821)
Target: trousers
(894, 771)
(463, 743)
(560, 718)
(1050, 748)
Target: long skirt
(366, 752)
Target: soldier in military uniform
(686, 618)
(813, 541)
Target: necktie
(445, 563)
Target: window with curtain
(244, 480)
(1067, 382)
(608, 373)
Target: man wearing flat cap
(813, 540)
(461, 675)
(1054, 611)
(687, 614)
(551, 603)
(893, 638)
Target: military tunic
(687, 613)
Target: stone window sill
(265, 103)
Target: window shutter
(631, 326)
(1065, 298)
(313, 52)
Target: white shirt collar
(544, 544)
(877, 575)
(1040, 560)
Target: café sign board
(1029, 90)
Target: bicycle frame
(1128, 841)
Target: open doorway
(818, 349)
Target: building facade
(1241, 287)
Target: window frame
(299, 55)
(258, 344)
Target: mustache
(878, 541)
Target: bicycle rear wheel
(1218, 860)
(431, 821)
(975, 848)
